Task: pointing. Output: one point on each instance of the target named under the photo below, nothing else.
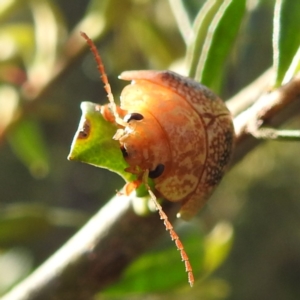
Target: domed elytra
(133, 116)
(157, 171)
(190, 134)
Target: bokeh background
(45, 199)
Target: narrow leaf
(221, 34)
(217, 246)
(20, 223)
(293, 69)
(17, 39)
(182, 18)
(27, 141)
(49, 27)
(21, 226)
(286, 37)
(199, 33)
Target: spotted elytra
(175, 131)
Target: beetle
(173, 130)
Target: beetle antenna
(170, 228)
(103, 76)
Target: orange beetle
(178, 130)
(174, 130)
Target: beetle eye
(133, 116)
(157, 171)
(124, 151)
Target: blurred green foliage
(46, 72)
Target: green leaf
(20, 223)
(93, 142)
(18, 40)
(200, 29)
(160, 270)
(286, 37)
(49, 29)
(217, 246)
(182, 18)
(27, 142)
(293, 69)
(221, 34)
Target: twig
(272, 109)
(95, 256)
(247, 96)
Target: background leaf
(182, 18)
(221, 34)
(199, 33)
(286, 38)
(17, 40)
(21, 224)
(152, 272)
(161, 270)
(28, 143)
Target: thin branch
(275, 134)
(272, 109)
(247, 96)
(95, 256)
(100, 251)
